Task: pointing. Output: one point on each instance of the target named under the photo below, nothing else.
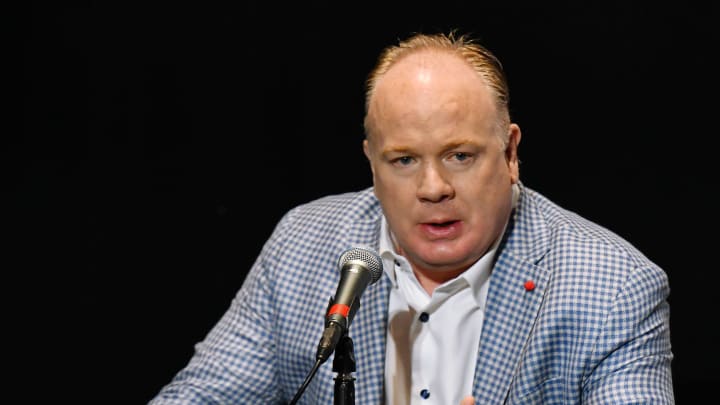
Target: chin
(444, 255)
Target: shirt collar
(387, 251)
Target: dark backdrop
(163, 140)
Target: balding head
(439, 47)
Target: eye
(403, 161)
(461, 156)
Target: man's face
(440, 170)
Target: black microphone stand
(344, 365)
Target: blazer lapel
(368, 332)
(368, 328)
(511, 310)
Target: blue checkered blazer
(595, 330)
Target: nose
(434, 184)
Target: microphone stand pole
(344, 365)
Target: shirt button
(424, 317)
(425, 394)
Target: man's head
(442, 150)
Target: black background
(162, 141)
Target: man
(490, 293)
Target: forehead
(430, 67)
(430, 88)
(430, 77)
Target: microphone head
(365, 257)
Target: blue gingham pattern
(594, 330)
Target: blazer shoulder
(334, 222)
(336, 209)
(571, 232)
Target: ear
(366, 149)
(511, 152)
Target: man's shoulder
(354, 216)
(348, 204)
(570, 231)
(320, 228)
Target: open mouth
(441, 224)
(442, 230)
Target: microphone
(359, 267)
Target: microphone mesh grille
(368, 257)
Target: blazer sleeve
(236, 361)
(631, 362)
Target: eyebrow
(446, 147)
(461, 142)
